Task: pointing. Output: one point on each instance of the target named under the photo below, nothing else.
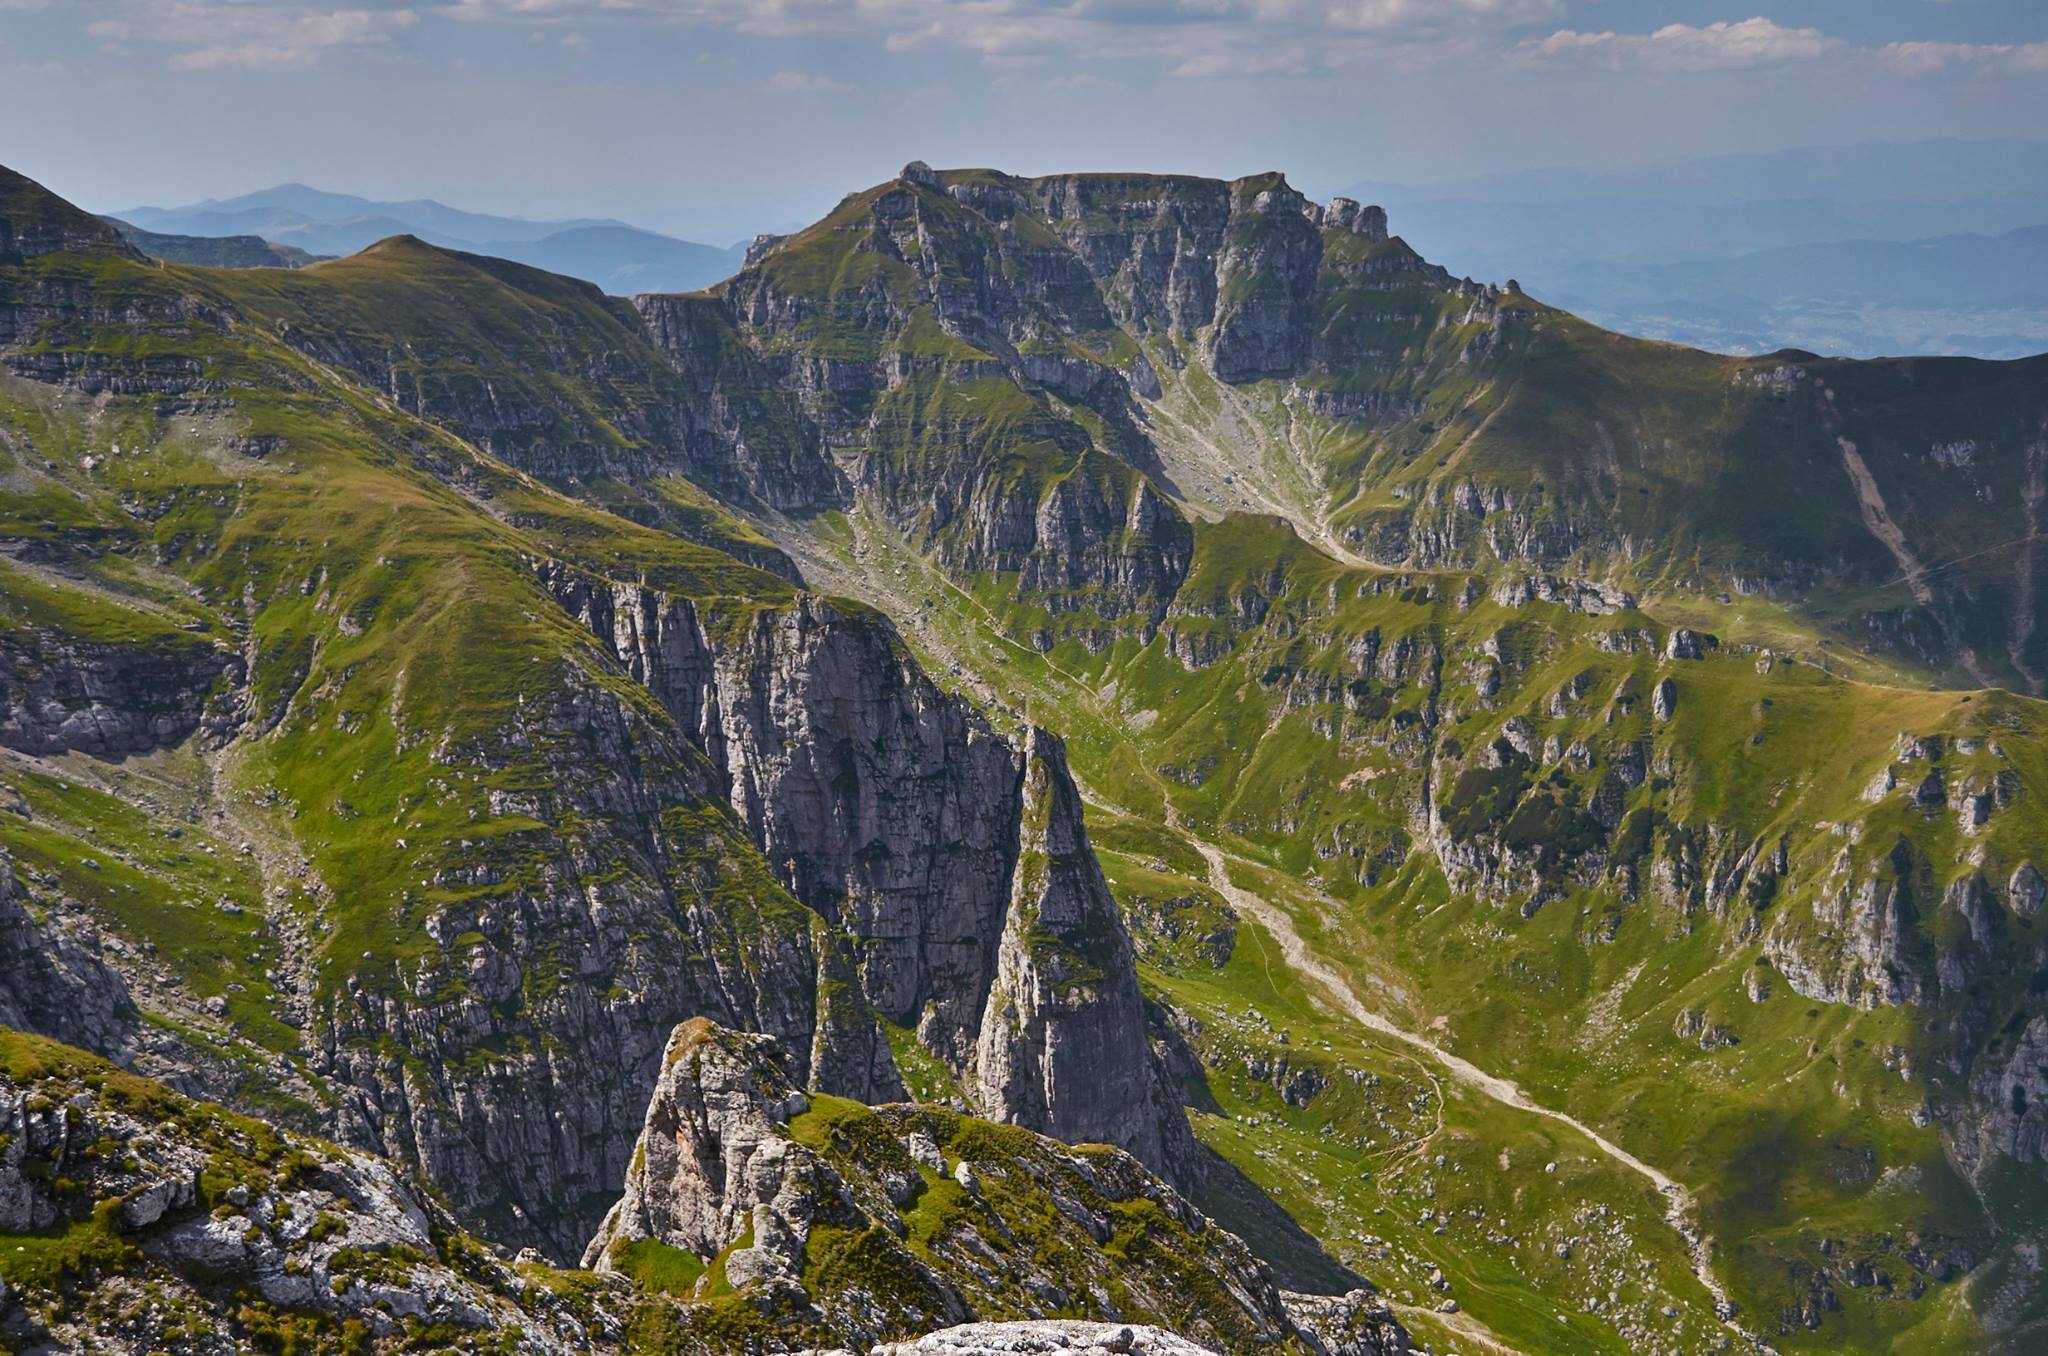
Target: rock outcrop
(60, 691)
(1864, 945)
(2010, 1115)
(196, 1229)
(1073, 1337)
(1044, 1337)
(865, 1223)
(1063, 1046)
(714, 1165)
(53, 979)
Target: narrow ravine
(1296, 952)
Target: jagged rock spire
(1063, 1047)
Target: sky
(713, 119)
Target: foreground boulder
(1067, 1337)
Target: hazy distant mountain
(1959, 294)
(1867, 171)
(615, 256)
(624, 259)
(1748, 253)
(213, 251)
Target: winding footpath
(1678, 1201)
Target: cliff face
(887, 806)
(880, 802)
(1151, 243)
(1267, 274)
(1227, 273)
(964, 880)
(510, 1055)
(63, 692)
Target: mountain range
(617, 257)
(1112, 750)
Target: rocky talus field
(1104, 763)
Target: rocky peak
(760, 247)
(808, 1206)
(719, 1105)
(1269, 192)
(1063, 1046)
(920, 175)
(1345, 214)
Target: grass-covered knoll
(459, 336)
(921, 1216)
(543, 372)
(1075, 1232)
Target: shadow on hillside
(1236, 1202)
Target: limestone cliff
(109, 699)
(905, 821)
(1063, 1046)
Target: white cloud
(1192, 37)
(1684, 47)
(1923, 58)
(218, 34)
(300, 41)
(803, 82)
